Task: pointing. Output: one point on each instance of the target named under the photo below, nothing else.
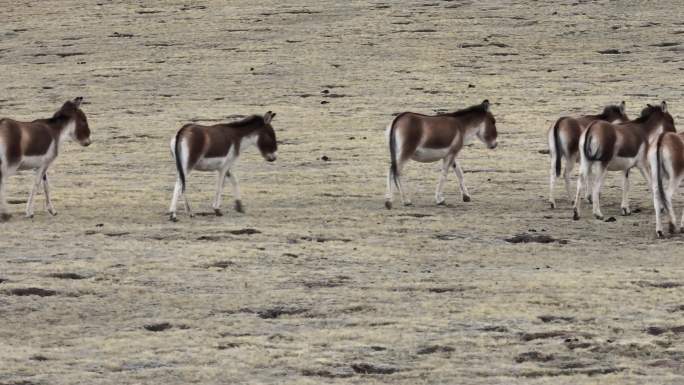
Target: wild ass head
(615, 114)
(659, 115)
(487, 130)
(77, 123)
(266, 140)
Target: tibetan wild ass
(564, 139)
(217, 148)
(35, 145)
(425, 139)
(619, 147)
(666, 159)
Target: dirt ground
(317, 282)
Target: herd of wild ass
(605, 142)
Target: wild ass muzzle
(217, 148)
(564, 138)
(619, 147)
(429, 138)
(35, 145)
(666, 159)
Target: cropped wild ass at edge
(35, 145)
(619, 147)
(217, 148)
(666, 159)
(429, 138)
(564, 138)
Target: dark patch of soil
(535, 238)
(533, 357)
(245, 231)
(659, 285)
(158, 327)
(435, 349)
(66, 276)
(324, 239)
(325, 373)
(553, 318)
(372, 369)
(220, 264)
(32, 291)
(278, 311)
(331, 282)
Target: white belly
(33, 162)
(211, 164)
(427, 155)
(619, 163)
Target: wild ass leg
(48, 202)
(596, 190)
(4, 215)
(569, 166)
(588, 182)
(32, 194)
(236, 191)
(439, 194)
(624, 206)
(219, 191)
(174, 200)
(658, 207)
(403, 191)
(552, 175)
(389, 194)
(669, 193)
(583, 177)
(461, 181)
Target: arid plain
(317, 282)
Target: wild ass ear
(485, 104)
(268, 117)
(622, 106)
(77, 101)
(663, 106)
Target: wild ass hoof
(4, 217)
(388, 205)
(553, 205)
(575, 215)
(172, 217)
(52, 212)
(407, 204)
(238, 206)
(673, 228)
(441, 203)
(218, 212)
(659, 234)
(625, 211)
(29, 216)
(466, 198)
(598, 216)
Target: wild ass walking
(426, 139)
(35, 145)
(217, 148)
(666, 159)
(564, 138)
(619, 147)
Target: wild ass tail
(587, 145)
(179, 165)
(659, 165)
(558, 150)
(393, 150)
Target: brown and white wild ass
(564, 138)
(35, 145)
(217, 148)
(666, 159)
(619, 147)
(429, 138)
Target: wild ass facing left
(429, 138)
(217, 148)
(35, 145)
